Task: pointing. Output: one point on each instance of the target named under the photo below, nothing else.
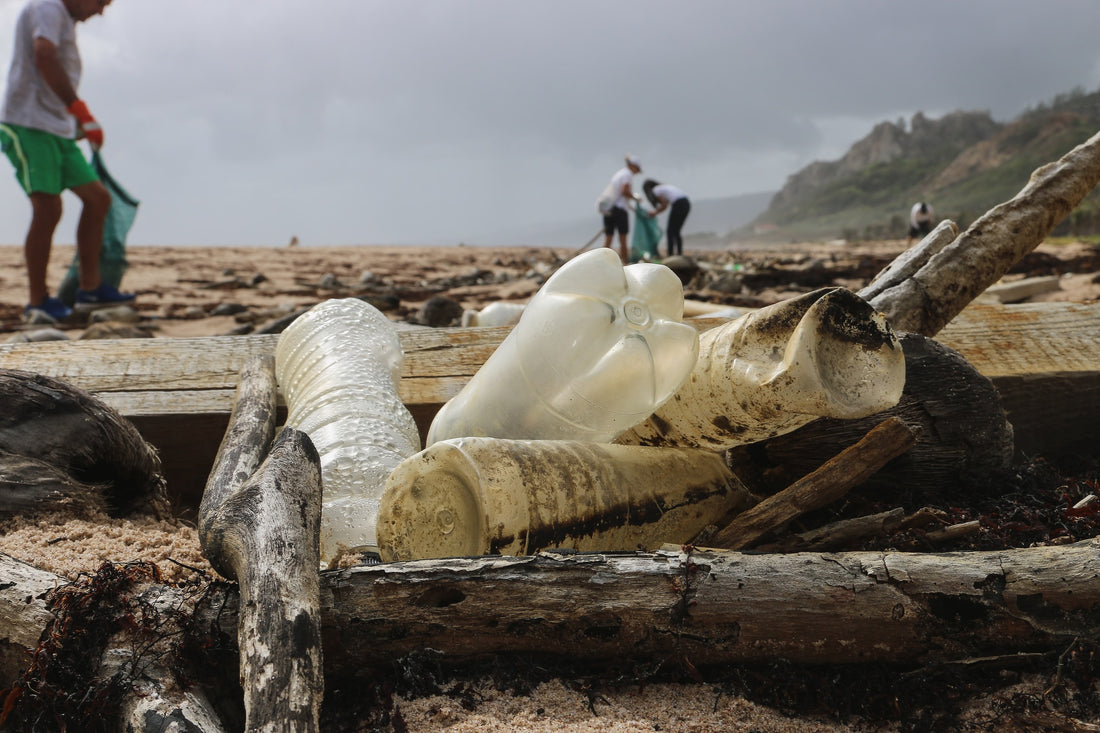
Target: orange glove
(88, 125)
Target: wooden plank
(1044, 359)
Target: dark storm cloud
(350, 121)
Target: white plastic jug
(478, 496)
(338, 366)
(597, 349)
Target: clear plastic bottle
(338, 366)
(827, 353)
(478, 496)
(596, 350)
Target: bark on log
(832, 480)
(61, 445)
(925, 301)
(261, 526)
(712, 607)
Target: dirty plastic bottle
(494, 314)
(478, 496)
(597, 348)
(338, 366)
(827, 353)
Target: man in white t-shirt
(617, 217)
(921, 219)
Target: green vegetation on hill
(964, 164)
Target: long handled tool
(590, 242)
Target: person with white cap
(616, 209)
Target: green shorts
(44, 162)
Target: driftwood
(259, 524)
(832, 480)
(948, 279)
(703, 607)
(60, 445)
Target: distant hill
(711, 218)
(963, 164)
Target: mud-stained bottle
(477, 496)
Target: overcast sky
(434, 121)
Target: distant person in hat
(666, 196)
(614, 204)
(921, 219)
(40, 121)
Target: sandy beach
(220, 291)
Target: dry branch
(261, 526)
(926, 300)
(832, 480)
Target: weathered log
(712, 607)
(261, 526)
(964, 432)
(59, 444)
(826, 484)
(925, 301)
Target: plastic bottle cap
(431, 516)
(637, 313)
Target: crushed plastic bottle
(597, 349)
(480, 496)
(338, 366)
(827, 353)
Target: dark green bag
(647, 235)
(112, 257)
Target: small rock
(193, 312)
(329, 282)
(440, 311)
(38, 334)
(228, 309)
(114, 330)
(118, 313)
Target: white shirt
(668, 192)
(620, 179)
(915, 217)
(28, 100)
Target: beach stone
(440, 311)
(278, 325)
(38, 334)
(114, 330)
(119, 313)
(685, 267)
(228, 309)
(329, 281)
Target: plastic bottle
(494, 314)
(338, 366)
(827, 353)
(477, 496)
(597, 348)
